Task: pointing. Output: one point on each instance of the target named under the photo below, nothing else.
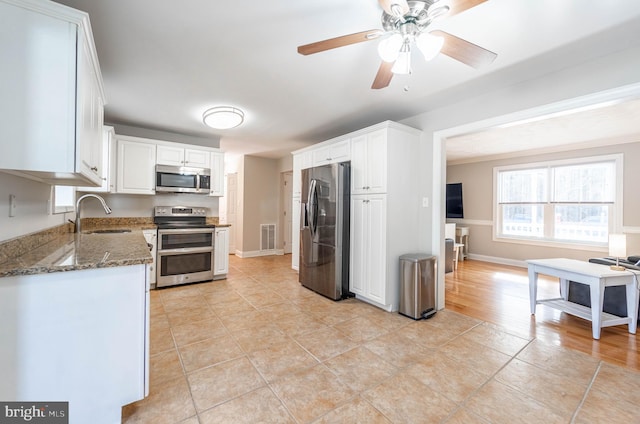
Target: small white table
(462, 237)
(457, 247)
(597, 277)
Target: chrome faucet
(107, 209)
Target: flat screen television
(454, 201)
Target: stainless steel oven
(185, 246)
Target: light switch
(425, 202)
(12, 205)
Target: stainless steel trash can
(418, 285)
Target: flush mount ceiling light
(223, 117)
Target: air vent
(267, 237)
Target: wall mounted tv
(454, 201)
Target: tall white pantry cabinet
(384, 207)
(384, 210)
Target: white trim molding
(257, 253)
(497, 260)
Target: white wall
(128, 205)
(477, 183)
(132, 205)
(32, 212)
(260, 200)
(285, 163)
(212, 141)
(616, 69)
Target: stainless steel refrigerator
(324, 229)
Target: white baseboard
(257, 253)
(388, 308)
(497, 260)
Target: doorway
(232, 209)
(285, 217)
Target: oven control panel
(180, 211)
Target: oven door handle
(186, 231)
(184, 250)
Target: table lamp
(618, 248)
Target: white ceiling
(164, 62)
(585, 127)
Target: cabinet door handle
(94, 168)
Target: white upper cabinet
(136, 166)
(90, 115)
(170, 155)
(51, 107)
(217, 174)
(369, 163)
(137, 159)
(108, 166)
(302, 160)
(180, 156)
(332, 153)
(196, 158)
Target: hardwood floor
(500, 294)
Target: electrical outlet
(12, 205)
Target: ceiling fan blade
(345, 40)
(387, 5)
(459, 6)
(384, 75)
(464, 51)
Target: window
(62, 199)
(568, 202)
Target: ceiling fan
(405, 24)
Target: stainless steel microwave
(181, 179)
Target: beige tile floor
(259, 348)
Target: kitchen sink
(111, 231)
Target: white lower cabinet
(295, 234)
(221, 253)
(78, 336)
(368, 249)
(151, 236)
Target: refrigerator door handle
(304, 223)
(312, 205)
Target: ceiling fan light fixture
(436, 11)
(429, 45)
(223, 117)
(389, 48)
(402, 65)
